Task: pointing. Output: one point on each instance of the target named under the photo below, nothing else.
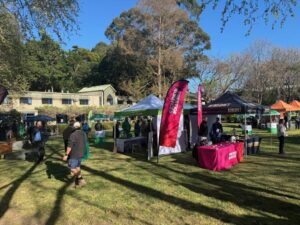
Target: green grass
(126, 189)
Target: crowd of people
(141, 127)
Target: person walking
(67, 133)
(281, 131)
(75, 151)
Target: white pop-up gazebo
(152, 106)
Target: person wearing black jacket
(67, 133)
(216, 131)
(203, 129)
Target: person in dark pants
(40, 137)
(137, 128)
(67, 133)
(298, 122)
(75, 151)
(281, 131)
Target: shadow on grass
(56, 211)
(189, 205)
(106, 144)
(6, 199)
(58, 171)
(241, 195)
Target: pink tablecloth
(220, 157)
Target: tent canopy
(40, 118)
(272, 112)
(149, 106)
(100, 116)
(230, 103)
(296, 104)
(282, 106)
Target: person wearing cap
(75, 151)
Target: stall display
(125, 145)
(221, 156)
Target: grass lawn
(126, 189)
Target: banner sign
(171, 113)
(199, 105)
(3, 93)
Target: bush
(108, 125)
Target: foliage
(44, 63)
(73, 110)
(161, 35)
(54, 16)
(80, 67)
(10, 53)
(15, 115)
(271, 11)
(23, 19)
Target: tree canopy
(163, 36)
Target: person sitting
(216, 131)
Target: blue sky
(96, 15)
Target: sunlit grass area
(127, 189)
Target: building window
(47, 101)
(83, 101)
(110, 100)
(25, 101)
(66, 101)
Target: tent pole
(115, 137)
(245, 135)
(271, 131)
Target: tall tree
(23, 19)
(161, 34)
(45, 64)
(81, 64)
(10, 53)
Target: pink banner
(199, 105)
(171, 113)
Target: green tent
(272, 112)
(100, 116)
